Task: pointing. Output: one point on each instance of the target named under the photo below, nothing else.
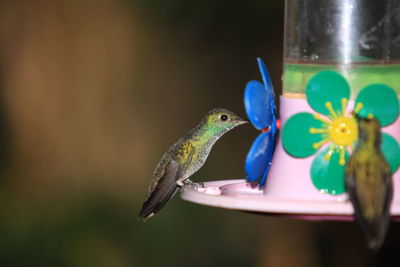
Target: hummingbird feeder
(340, 58)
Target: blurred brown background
(94, 92)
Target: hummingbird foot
(180, 183)
(194, 186)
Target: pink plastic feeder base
(240, 195)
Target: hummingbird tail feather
(163, 192)
(155, 203)
(375, 227)
(377, 233)
(375, 243)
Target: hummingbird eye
(224, 117)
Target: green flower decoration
(334, 130)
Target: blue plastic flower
(259, 101)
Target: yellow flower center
(339, 128)
(343, 131)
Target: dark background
(92, 93)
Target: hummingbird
(186, 157)
(368, 181)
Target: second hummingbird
(369, 183)
(185, 157)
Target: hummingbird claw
(180, 183)
(201, 185)
(194, 186)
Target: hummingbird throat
(209, 134)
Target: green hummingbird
(185, 157)
(369, 183)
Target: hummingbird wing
(163, 189)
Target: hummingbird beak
(242, 121)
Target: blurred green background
(94, 92)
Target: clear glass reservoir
(358, 38)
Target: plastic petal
(259, 156)
(296, 137)
(380, 101)
(327, 86)
(265, 175)
(257, 105)
(391, 150)
(267, 83)
(327, 175)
